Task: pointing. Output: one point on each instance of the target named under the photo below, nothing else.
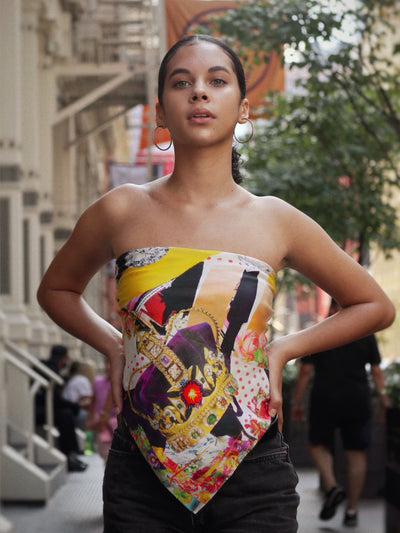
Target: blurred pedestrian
(65, 411)
(340, 398)
(102, 419)
(78, 389)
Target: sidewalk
(77, 507)
(371, 511)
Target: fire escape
(116, 46)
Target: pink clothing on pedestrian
(101, 390)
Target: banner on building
(126, 173)
(183, 15)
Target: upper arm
(86, 250)
(312, 252)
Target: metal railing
(25, 375)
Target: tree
(332, 147)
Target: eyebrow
(181, 70)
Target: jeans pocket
(269, 456)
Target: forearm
(69, 310)
(348, 324)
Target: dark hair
(237, 67)
(58, 351)
(74, 368)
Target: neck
(202, 174)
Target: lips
(200, 115)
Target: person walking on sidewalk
(340, 399)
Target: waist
(271, 434)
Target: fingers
(275, 404)
(117, 364)
(117, 397)
(275, 365)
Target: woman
(196, 260)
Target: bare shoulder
(300, 238)
(281, 217)
(275, 205)
(305, 245)
(120, 199)
(286, 215)
(115, 206)
(129, 198)
(100, 222)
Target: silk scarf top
(196, 388)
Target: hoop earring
(154, 140)
(249, 137)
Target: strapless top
(196, 388)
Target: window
(5, 251)
(27, 280)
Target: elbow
(41, 296)
(387, 315)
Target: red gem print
(155, 308)
(192, 393)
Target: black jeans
(260, 496)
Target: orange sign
(183, 15)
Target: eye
(218, 81)
(181, 83)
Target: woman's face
(201, 98)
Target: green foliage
(392, 383)
(331, 147)
(308, 153)
(289, 373)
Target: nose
(196, 97)
(199, 94)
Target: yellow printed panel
(136, 280)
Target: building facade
(71, 70)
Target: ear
(160, 117)
(243, 111)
